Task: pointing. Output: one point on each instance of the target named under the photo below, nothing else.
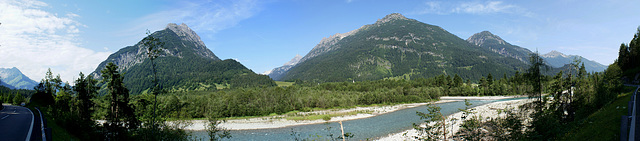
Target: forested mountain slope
(398, 46)
(184, 63)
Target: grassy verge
(284, 84)
(602, 125)
(57, 132)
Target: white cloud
(432, 7)
(33, 40)
(478, 8)
(200, 16)
(486, 8)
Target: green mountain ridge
(398, 46)
(184, 63)
(13, 78)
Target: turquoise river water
(363, 129)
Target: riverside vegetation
(66, 106)
(569, 104)
(128, 117)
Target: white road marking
(30, 127)
(4, 117)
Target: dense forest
(14, 96)
(304, 96)
(629, 58)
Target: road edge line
(30, 128)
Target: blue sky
(70, 36)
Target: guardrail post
(624, 128)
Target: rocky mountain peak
(326, 45)
(294, 60)
(391, 17)
(278, 72)
(553, 54)
(482, 37)
(185, 32)
(180, 41)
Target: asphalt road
(15, 123)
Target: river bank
(485, 111)
(280, 121)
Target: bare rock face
(480, 38)
(554, 54)
(187, 34)
(326, 45)
(391, 17)
(294, 60)
(189, 44)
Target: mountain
(6, 85)
(558, 59)
(397, 46)
(14, 79)
(278, 72)
(554, 58)
(184, 63)
(494, 43)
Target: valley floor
(281, 121)
(485, 111)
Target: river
(362, 129)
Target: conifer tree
(120, 116)
(85, 89)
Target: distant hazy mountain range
(278, 72)
(14, 79)
(554, 58)
(557, 59)
(185, 63)
(398, 46)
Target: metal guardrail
(43, 126)
(629, 123)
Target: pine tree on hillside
(534, 74)
(120, 116)
(85, 89)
